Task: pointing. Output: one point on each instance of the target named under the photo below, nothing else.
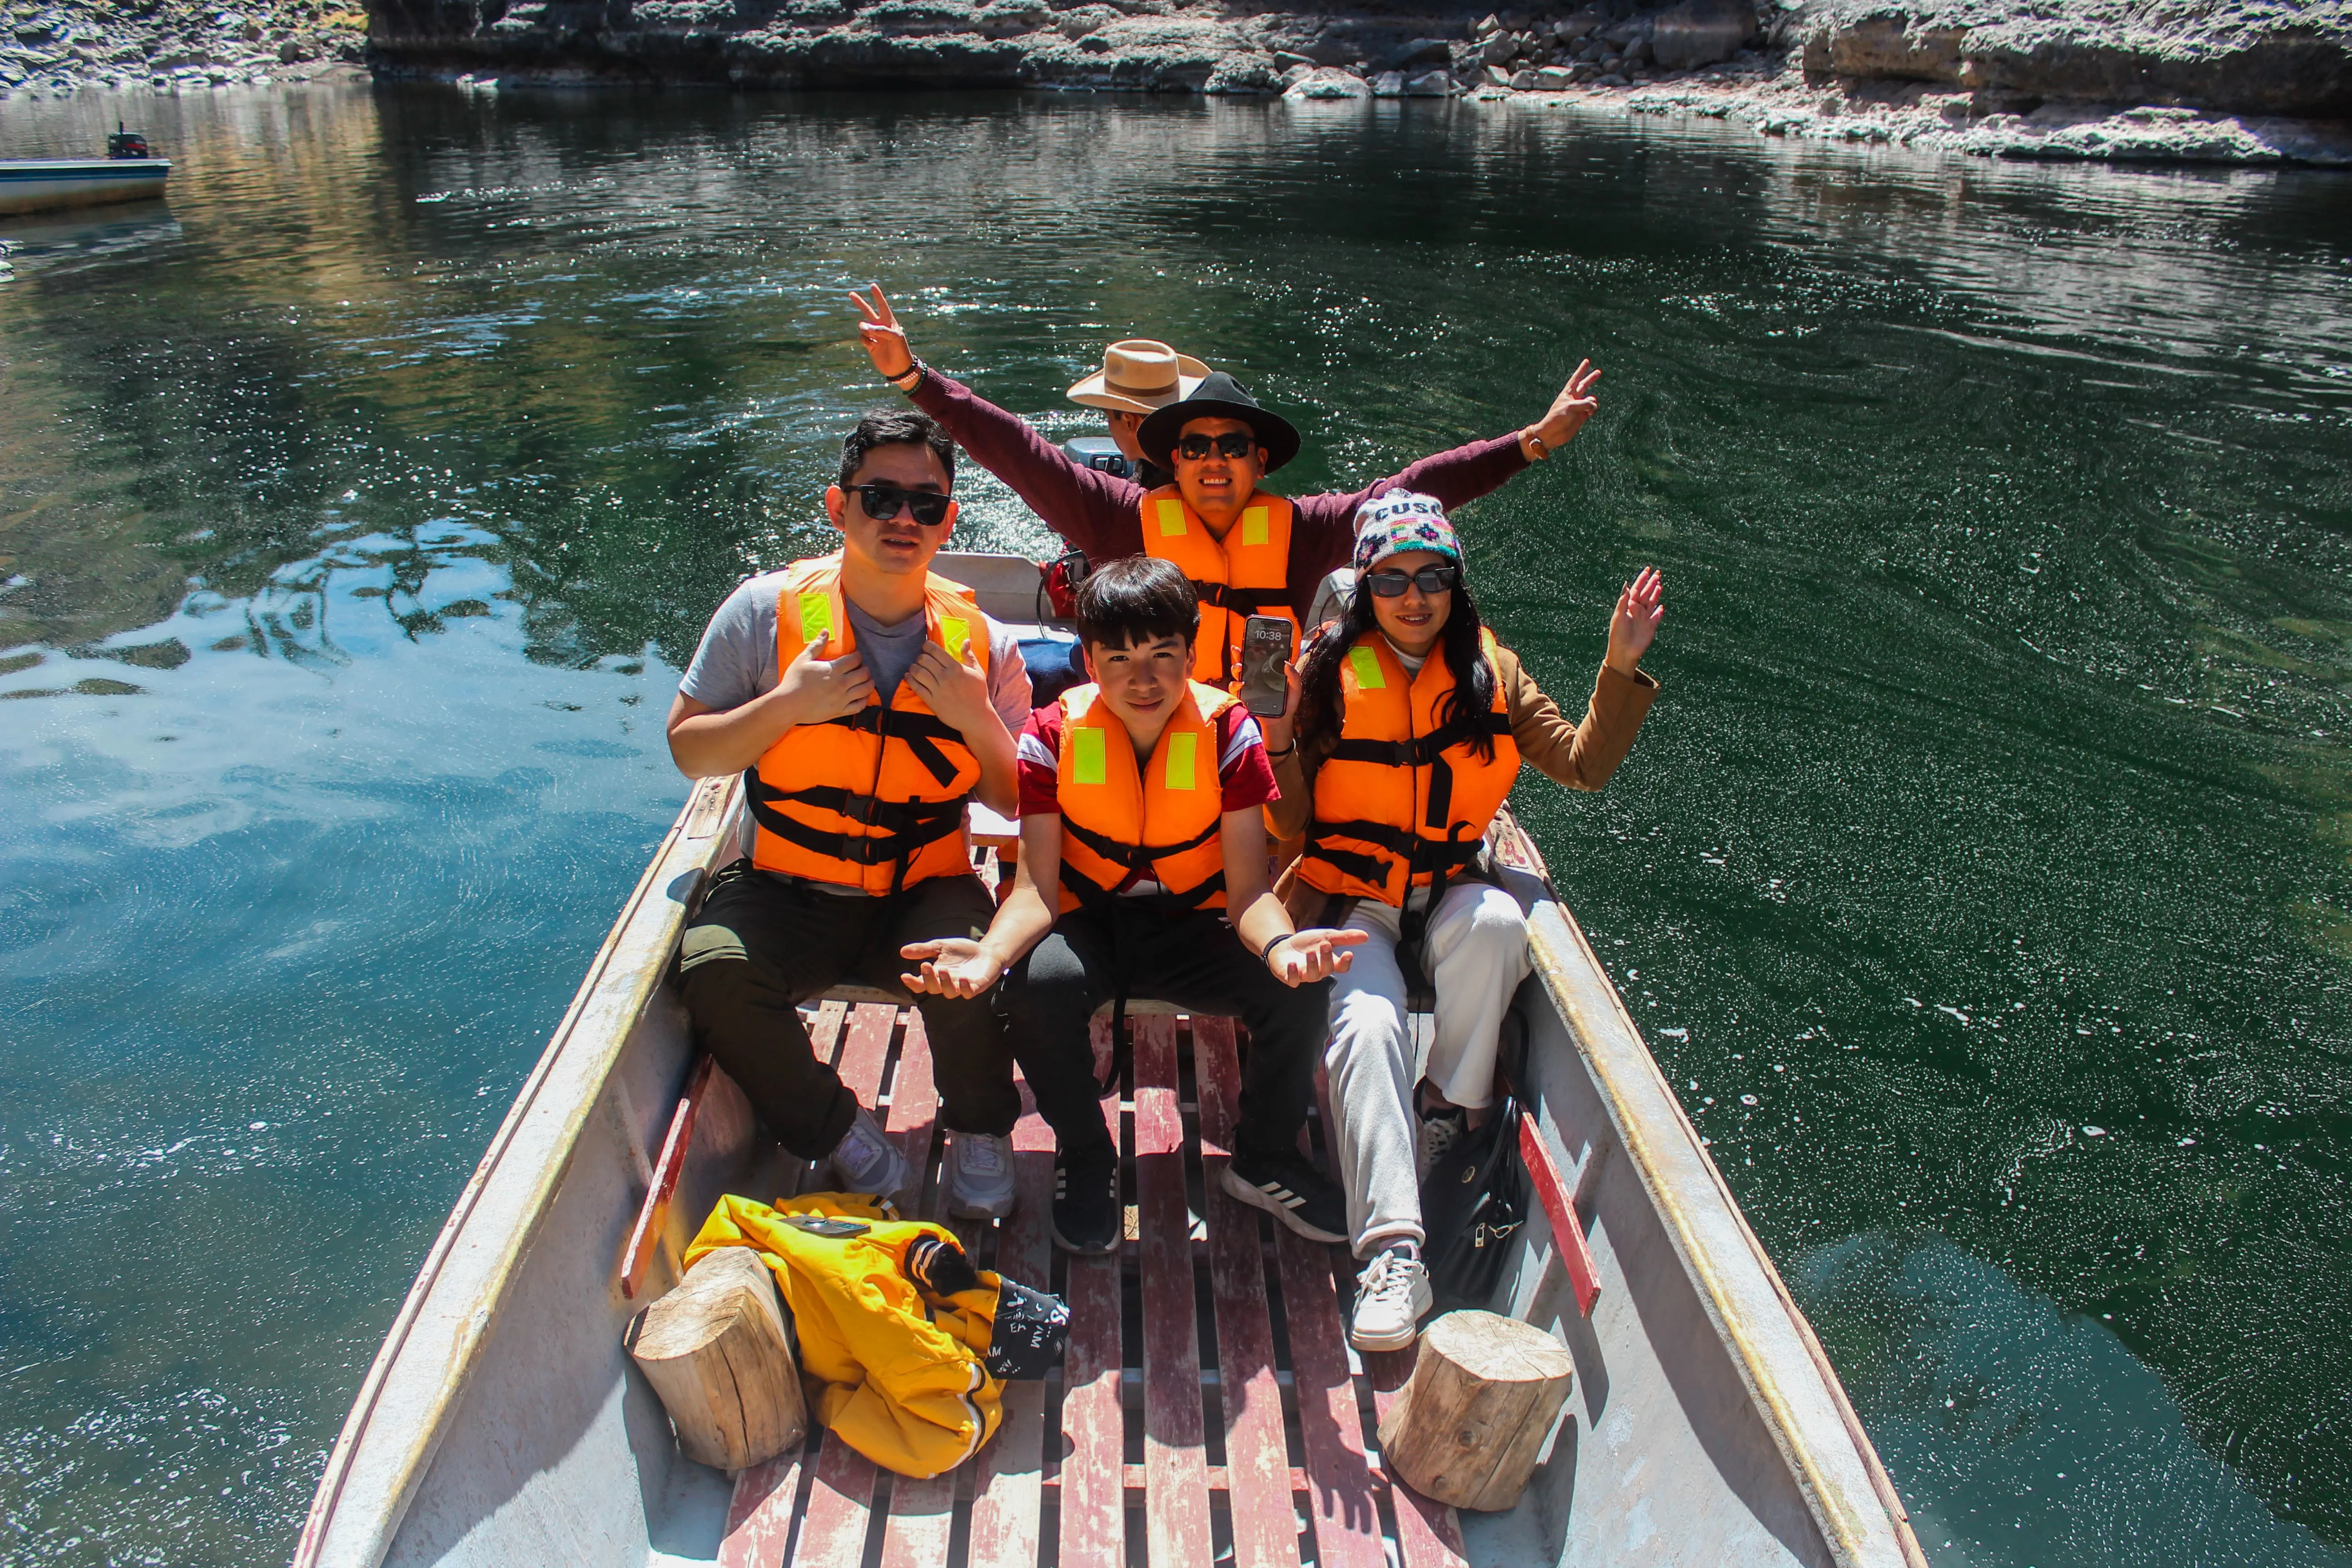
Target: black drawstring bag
(1471, 1202)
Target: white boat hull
(45, 186)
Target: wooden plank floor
(1208, 1401)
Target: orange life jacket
(1159, 821)
(1404, 798)
(874, 799)
(1245, 574)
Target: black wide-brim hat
(1220, 396)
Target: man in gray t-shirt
(859, 752)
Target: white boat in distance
(45, 184)
(1208, 1403)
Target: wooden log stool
(715, 1351)
(1469, 1423)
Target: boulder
(1522, 82)
(1436, 84)
(1329, 83)
(1389, 84)
(1552, 79)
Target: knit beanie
(1401, 520)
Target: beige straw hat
(1138, 376)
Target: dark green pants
(763, 943)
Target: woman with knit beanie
(1406, 729)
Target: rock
(1435, 84)
(1328, 82)
(1552, 79)
(1637, 52)
(1498, 49)
(1423, 52)
(1493, 24)
(1389, 84)
(1242, 75)
(1289, 61)
(1499, 75)
(1522, 82)
(1611, 78)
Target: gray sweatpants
(1477, 955)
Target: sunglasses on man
(1429, 580)
(1233, 443)
(881, 502)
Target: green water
(358, 509)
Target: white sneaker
(1391, 1294)
(866, 1160)
(979, 1174)
(1440, 1131)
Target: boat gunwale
(1736, 1323)
(703, 818)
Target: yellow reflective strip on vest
(1367, 665)
(1182, 748)
(1171, 519)
(1088, 756)
(816, 616)
(957, 635)
(1253, 525)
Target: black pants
(1193, 959)
(764, 944)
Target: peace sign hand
(884, 339)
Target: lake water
(1980, 878)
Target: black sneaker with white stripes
(1288, 1186)
(1088, 1217)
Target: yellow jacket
(903, 1374)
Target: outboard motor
(1102, 452)
(121, 143)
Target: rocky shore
(63, 45)
(2244, 81)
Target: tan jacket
(1579, 755)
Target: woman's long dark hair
(1319, 701)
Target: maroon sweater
(1102, 514)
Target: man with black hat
(1247, 551)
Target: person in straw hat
(1246, 549)
(1138, 377)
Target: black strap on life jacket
(923, 734)
(1240, 601)
(903, 827)
(1137, 858)
(1422, 751)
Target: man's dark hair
(1136, 600)
(895, 427)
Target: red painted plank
(1342, 1482)
(914, 1107)
(922, 1512)
(1257, 1455)
(1560, 1207)
(1093, 1509)
(841, 1498)
(645, 1237)
(760, 1515)
(1176, 1499)
(1006, 1489)
(1429, 1533)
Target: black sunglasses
(1429, 580)
(927, 508)
(1233, 443)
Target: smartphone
(1265, 648)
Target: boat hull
(49, 185)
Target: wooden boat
(44, 184)
(1208, 1405)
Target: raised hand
(817, 688)
(954, 688)
(884, 339)
(954, 966)
(1305, 957)
(1570, 410)
(1640, 608)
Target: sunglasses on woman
(881, 502)
(1233, 443)
(1429, 580)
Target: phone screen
(1265, 648)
